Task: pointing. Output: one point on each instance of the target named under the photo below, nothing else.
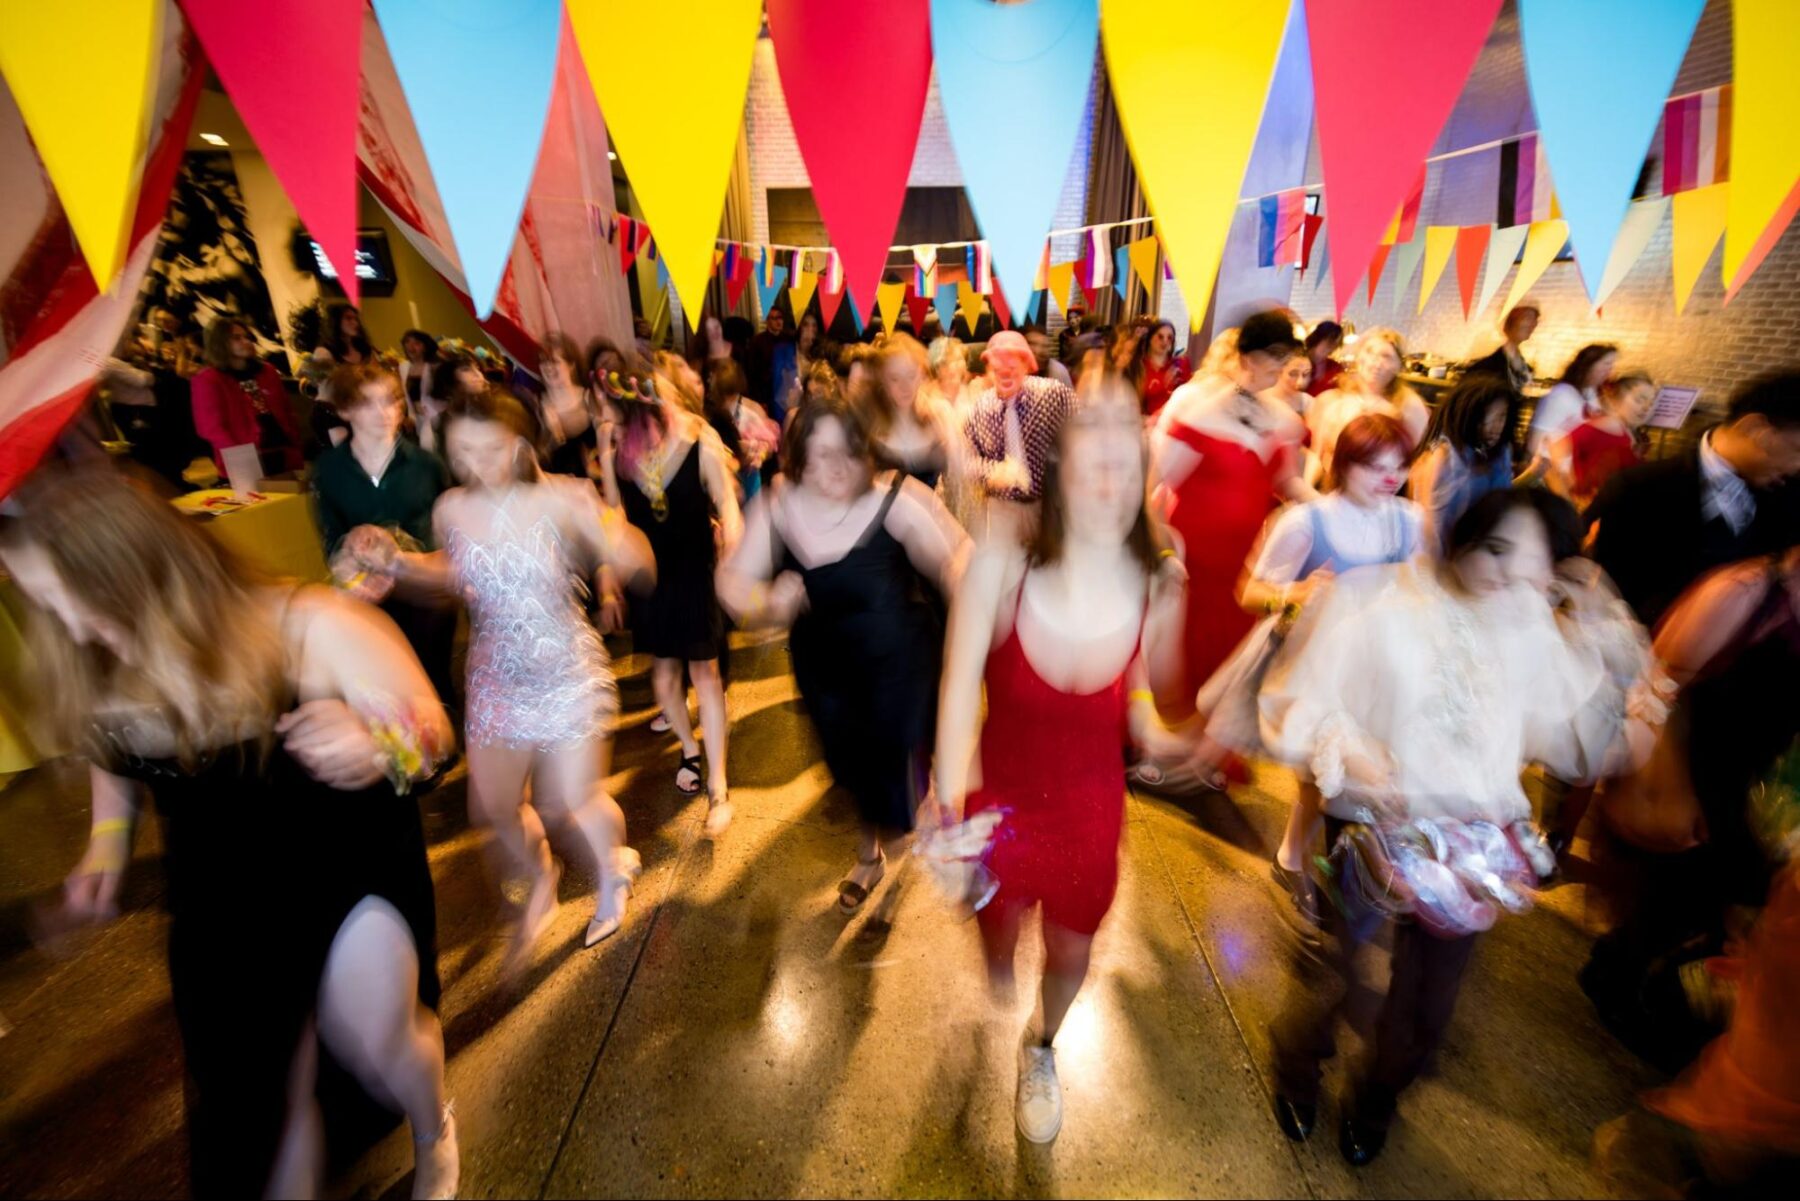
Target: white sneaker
(1040, 1106)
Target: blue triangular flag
(766, 296)
(1122, 272)
(946, 305)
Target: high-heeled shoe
(718, 816)
(437, 1162)
(627, 866)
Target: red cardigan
(225, 416)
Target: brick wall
(776, 162)
(1708, 345)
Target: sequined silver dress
(538, 675)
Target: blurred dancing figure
(910, 428)
(1372, 385)
(1059, 635)
(1220, 455)
(1413, 693)
(838, 553)
(1467, 453)
(277, 728)
(518, 548)
(1360, 523)
(1011, 427)
(668, 469)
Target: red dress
(1159, 385)
(1245, 445)
(1595, 456)
(1054, 763)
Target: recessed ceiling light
(213, 139)
(613, 155)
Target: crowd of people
(1007, 578)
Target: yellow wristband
(1141, 694)
(112, 825)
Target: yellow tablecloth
(276, 534)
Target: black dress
(263, 864)
(682, 619)
(867, 654)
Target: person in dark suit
(1659, 526)
(1508, 360)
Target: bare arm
(92, 890)
(743, 579)
(1707, 617)
(935, 544)
(720, 485)
(973, 614)
(1165, 625)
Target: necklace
(650, 482)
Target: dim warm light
(214, 139)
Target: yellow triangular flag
(695, 56)
(1765, 137)
(81, 75)
(801, 294)
(1440, 241)
(968, 304)
(1142, 256)
(1700, 216)
(1062, 278)
(888, 298)
(718, 257)
(1542, 245)
(1168, 61)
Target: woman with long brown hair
(1059, 635)
(909, 429)
(1372, 385)
(277, 729)
(519, 546)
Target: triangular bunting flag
(1503, 248)
(1061, 277)
(1122, 272)
(291, 50)
(628, 242)
(1407, 257)
(83, 79)
(1700, 217)
(1765, 137)
(1542, 245)
(946, 305)
(1440, 243)
(699, 51)
(828, 306)
(1641, 222)
(646, 242)
(662, 275)
(801, 294)
(1376, 261)
(997, 299)
(739, 279)
(1087, 293)
(1471, 244)
(1376, 127)
(1406, 218)
(887, 303)
(865, 67)
(1596, 131)
(1308, 237)
(480, 142)
(1142, 254)
(968, 306)
(768, 294)
(917, 309)
(718, 257)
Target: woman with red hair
(1359, 522)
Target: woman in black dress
(565, 410)
(666, 466)
(277, 729)
(837, 552)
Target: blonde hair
(1222, 355)
(207, 661)
(1392, 338)
(669, 371)
(873, 398)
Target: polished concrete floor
(739, 1038)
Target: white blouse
(1454, 693)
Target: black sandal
(851, 895)
(1299, 888)
(691, 763)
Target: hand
(1578, 583)
(787, 597)
(373, 547)
(1008, 475)
(333, 744)
(91, 893)
(612, 611)
(1169, 584)
(1300, 591)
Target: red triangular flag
(1377, 261)
(828, 306)
(734, 287)
(1087, 292)
(265, 62)
(917, 307)
(1471, 244)
(1313, 224)
(627, 242)
(997, 298)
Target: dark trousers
(1427, 975)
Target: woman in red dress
(1220, 456)
(1156, 369)
(1059, 633)
(1606, 443)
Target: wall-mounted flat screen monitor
(374, 261)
